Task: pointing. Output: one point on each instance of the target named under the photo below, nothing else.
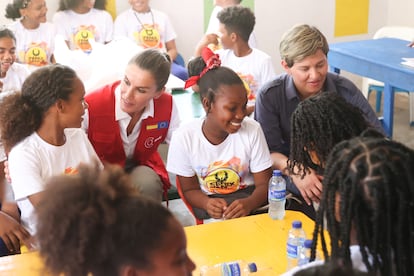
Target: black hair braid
(318, 124)
(375, 180)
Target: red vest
(104, 133)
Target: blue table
(378, 59)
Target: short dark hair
(238, 19)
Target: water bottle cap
(252, 267)
(297, 224)
(308, 243)
(277, 173)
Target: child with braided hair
(99, 236)
(317, 125)
(221, 160)
(368, 194)
(40, 129)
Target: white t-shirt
(255, 69)
(214, 23)
(356, 257)
(14, 79)
(123, 118)
(78, 28)
(34, 47)
(134, 25)
(33, 161)
(222, 168)
(12, 83)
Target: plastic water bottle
(296, 238)
(277, 195)
(305, 252)
(239, 268)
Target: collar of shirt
(121, 115)
(291, 92)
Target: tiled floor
(402, 133)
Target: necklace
(140, 22)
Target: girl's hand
(215, 207)
(12, 233)
(238, 208)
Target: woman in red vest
(128, 120)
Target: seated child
(95, 223)
(367, 200)
(221, 160)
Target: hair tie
(25, 3)
(212, 61)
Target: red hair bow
(212, 61)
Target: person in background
(253, 66)
(195, 66)
(222, 161)
(127, 120)
(35, 36)
(317, 125)
(214, 23)
(366, 206)
(95, 223)
(303, 50)
(12, 74)
(11, 79)
(149, 28)
(40, 129)
(80, 20)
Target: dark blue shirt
(278, 99)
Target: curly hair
(238, 19)
(96, 222)
(155, 62)
(72, 4)
(371, 181)
(318, 124)
(300, 42)
(22, 113)
(195, 66)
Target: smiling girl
(221, 160)
(35, 36)
(12, 75)
(40, 128)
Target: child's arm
(195, 197)
(243, 207)
(11, 231)
(204, 42)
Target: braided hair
(318, 124)
(21, 114)
(368, 190)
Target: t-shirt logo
(36, 54)
(148, 37)
(82, 36)
(222, 181)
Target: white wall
(273, 17)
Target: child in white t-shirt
(35, 36)
(80, 20)
(222, 160)
(40, 128)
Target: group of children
(223, 161)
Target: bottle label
(277, 195)
(292, 250)
(230, 269)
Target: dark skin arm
(217, 207)
(243, 207)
